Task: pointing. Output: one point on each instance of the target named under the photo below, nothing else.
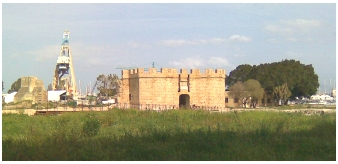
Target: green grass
(305, 106)
(183, 135)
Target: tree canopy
(249, 91)
(15, 86)
(107, 85)
(237, 91)
(300, 78)
(255, 91)
(282, 93)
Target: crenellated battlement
(171, 72)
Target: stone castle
(173, 88)
(31, 89)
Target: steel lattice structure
(64, 76)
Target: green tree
(254, 91)
(50, 87)
(237, 91)
(15, 86)
(301, 79)
(107, 85)
(241, 73)
(282, 93)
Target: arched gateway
(184, 101)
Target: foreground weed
(170, 135)
(91, 126)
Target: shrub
(91, 126)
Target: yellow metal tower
(64, 76)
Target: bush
(91, 127)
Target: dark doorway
(184, 101)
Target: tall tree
(15, 86)
(237, 91)
(301, 79)
(254, 91)
(107, 85)
(282, 93)
(241, 73)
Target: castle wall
(158, 87)
(31, 89)
(207, 89)
(166, 86)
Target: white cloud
(292, 39)
(272, 40)
(197, 62)
(137, 45)
(284, 27)
(176, 43)
(240, 38)
(183, 42)
(294, 30)
(301, 23)
(218, 62)
(216, 40)
(188, 63)
(47, 52)
(239, 55)
(278, 29)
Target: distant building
(321, 97)
(231, 102)
(334, 93)
(8, 98)
(31, 89)
(56, 95)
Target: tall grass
(169, 135)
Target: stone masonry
(31, 89)
(168, 87)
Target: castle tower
(170, 87)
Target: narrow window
(129, 96)
(226, 100)
(188, 83)
(179, 82)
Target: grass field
(176, 135)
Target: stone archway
(184, 101)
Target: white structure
(55, 95)
(64, 76)
(334, 93)
(110, 101)
(321, 97)
(10, 97)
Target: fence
(157, 107)
(164, 107)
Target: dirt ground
(31, 112)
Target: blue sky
(106, 36)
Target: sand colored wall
(165, 87)
(31, 89)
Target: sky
(181, 35)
